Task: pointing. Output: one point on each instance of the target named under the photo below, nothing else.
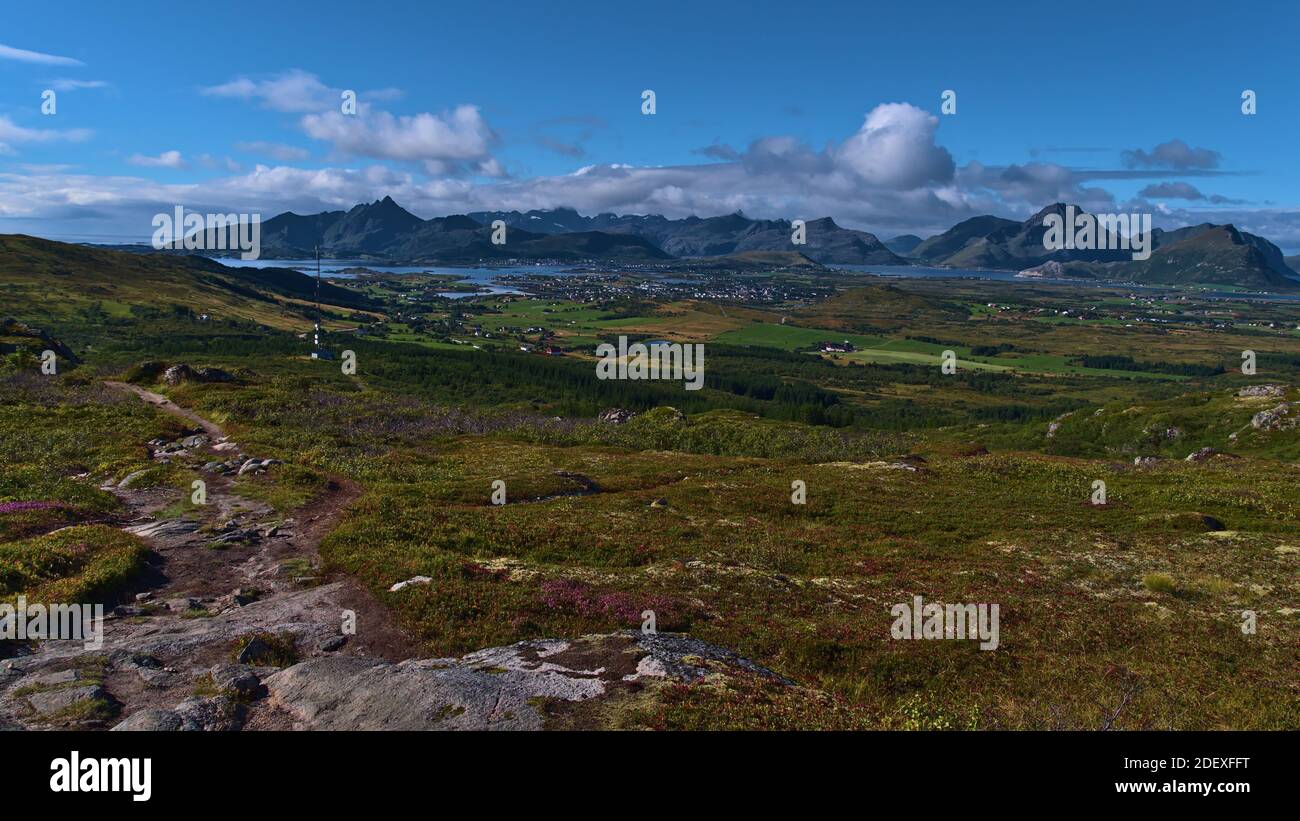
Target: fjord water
(485, 278)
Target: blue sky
(777, 109)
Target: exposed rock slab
(493, 689)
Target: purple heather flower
(18, 507)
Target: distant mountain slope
(941, 246)
(903, 244)
(462, 239)
(1020, 245)
(554, 221)
(295, 235)
(370, 229)
(47, 278)
(1197, 254)
(384, 230)
(1211, 255)
(827, 242)
(364, 230)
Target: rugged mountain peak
(823, 223)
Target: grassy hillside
(43, 280)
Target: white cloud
(294, 92)
(11, 134)
(895, 148)
(67, 84)
(450, 143)
(1174, 154)
(890, 176)
(167, 159)
(24, 56)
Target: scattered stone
(1202, 455)
(237, 679)
(256, 650)
(242, 535)
(52, 679)
(660, 502)
(1263, 390)
(1212, 524)
(333, 643)
(1147, 461)
(145, 596)
(1278, 418)
(47, 702)
(904, 465)
(413, 580)
(616, 416)
(213, 375)
(151, 721)
(131, 478)
(163, 528)
(177, 374)
(184, 605)
(210, 715)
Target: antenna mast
(316, 338)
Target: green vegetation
(79, 564)
(276, 649)
(968, 487)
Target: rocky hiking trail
(233, 628)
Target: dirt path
(212, 429)
(218, 574)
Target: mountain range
(711, 236)
(1204, 254)
(384, 231)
